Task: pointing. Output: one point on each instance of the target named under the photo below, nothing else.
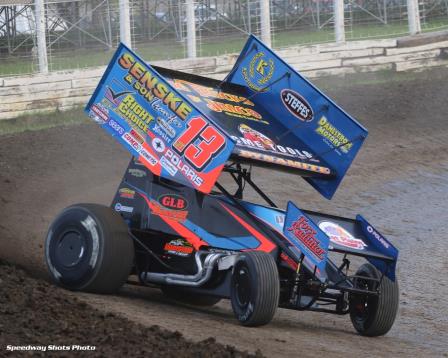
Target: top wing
(185, 127)
(260, 138)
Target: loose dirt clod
(33, 312)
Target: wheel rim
(242, 287)
(70, 248)
(361, 304)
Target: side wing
(157, 124)
(306, 237)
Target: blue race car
(172, 224)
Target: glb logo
(297, 105)
(173, 202)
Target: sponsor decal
(340, 236)
(178, 247)
(126, 193)
(260, 71)
(158, 145)
(219, 101)
(285, 162)
(157, 105)
(134, 143)
(378, 236)
(116, 127)
(130, 110)
(252, 138)
(138, 173)
(209, 92)
(212, 142)
(280, 219)
(332, 136)
(256, 138)
(99, 113)
(161, 133)
(149, 158)
(297, 105)
(166, 127)
(122, 208)
(235, 110)
(184, 168)
(170, 168)
(137, 136)
(115, 97)
(173, 201)
(150, 86)
(302, 230)
(159, 210)
(95, 117)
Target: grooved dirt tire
(88, 248)
(181, 295)
(374, 316)
(255, 288)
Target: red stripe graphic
(188, 235)
(266, 245)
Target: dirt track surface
(399, 182)
(36, 313)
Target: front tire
(374, 315)
(255, 288)
(88, 248)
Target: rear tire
(374, 315)
(255, 288)
(181, 295)
(88, 248)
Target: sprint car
(175, 225)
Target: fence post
(414, 17)
(41, 36)
(125, 23)
(191, 29)
(339, 30)
(265, 22)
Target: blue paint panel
(379, 243)
(229, 243)
(274, 217)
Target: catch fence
(84, 33)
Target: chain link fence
(84, 33)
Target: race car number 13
(199, 154)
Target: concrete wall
(68, 89)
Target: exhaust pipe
(202, 276)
